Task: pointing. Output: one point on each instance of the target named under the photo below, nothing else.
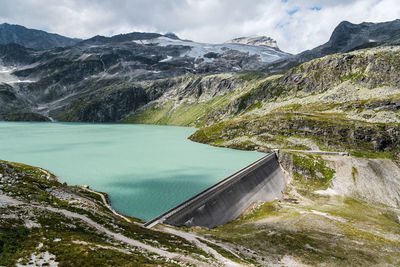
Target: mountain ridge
(255, 40)
(32, 38)
(348, 36)
(337, 101)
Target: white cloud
(296, 25)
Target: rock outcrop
(255, 40)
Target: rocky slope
(348, 37)
(107, 70)
(342, 102)
(254, 40)
(39, 40)
(44, 222)
(345, 101)
(345, 38)
(85, 81)
(315, 224)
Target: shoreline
(107, 203)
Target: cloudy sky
(295, 24)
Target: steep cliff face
(348, 37)
(101, 106)
(189, 100)
(345, 38)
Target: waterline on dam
(145, 169)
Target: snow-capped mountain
(255, 40)
(263, 47)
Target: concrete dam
(223, 202)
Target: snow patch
(40, 259)
(326, 215)
(166, 59)
(291, 261)
(6, 76)
(83, 57)
(198, 50)
(327, 192)
(31, 224)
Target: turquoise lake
(144, 169)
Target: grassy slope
(268, 233)
(273, 230)
(342, 111)
(303, 231)
(80, 244)
(183, 114)
(310, 228)
(283, 112)
(194, 111)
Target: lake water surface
(145, 169)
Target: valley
(245, 94)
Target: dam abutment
(223, 202)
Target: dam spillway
(223, 202)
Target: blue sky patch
(292, 11)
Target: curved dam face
(223, 202)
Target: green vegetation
(225, 253)
(78, 245)
(352, 76)
(354, 174)
(304, 232)
(69, 239)
(312, 172)
(372, 155)
(182, 114)
(15, 241)
(328, 131)
(260, 211)
(251, 75)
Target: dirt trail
(48, 175)
(107, 205)
(197, 241)
(188, 236)
(126, 240)
(6, 200)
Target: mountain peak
(31, 38)
(255, 40)
(172, 35)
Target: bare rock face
(346, 37)
(254, 40)
(106, 78)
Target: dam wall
(223, 202)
